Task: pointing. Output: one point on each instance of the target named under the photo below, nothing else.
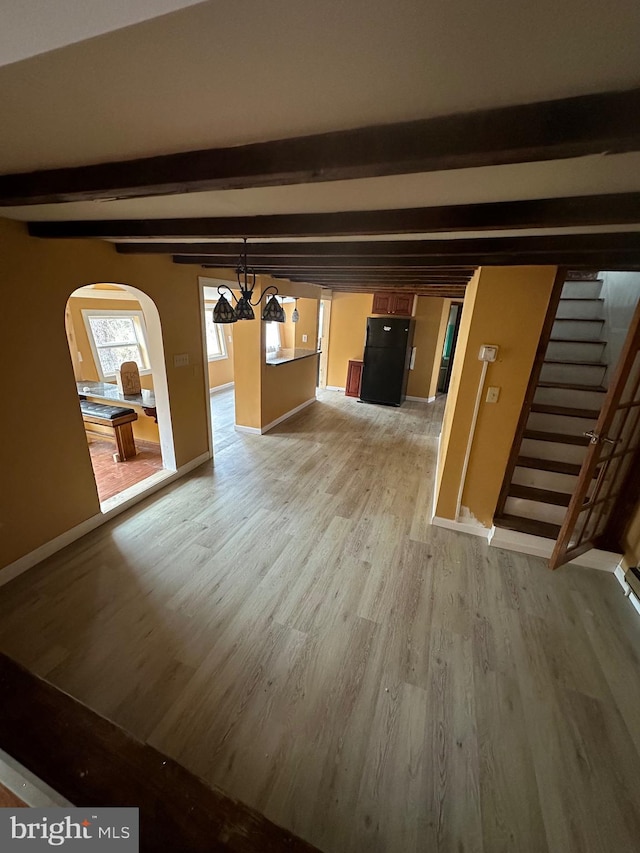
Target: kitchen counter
(283, 356)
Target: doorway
(449, 348)
(128, 430)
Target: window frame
(219, 331)
(141, 338)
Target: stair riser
(564, 397)
(573, 373)
(580, 309)
(552, 450)
(559, 423)
(582, 289)
(575, 351)
(535, 509)
(538, 479)
(577, 330)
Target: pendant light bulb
(295, 315)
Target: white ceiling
(228, 72)
(30, 27)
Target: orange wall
(349, 312)
(505, 306)
(221, 369)
(287, 386)
(50, 489)
(425, 340)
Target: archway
(96, 316)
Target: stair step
(549, 465)
(578, 320)
(567, 411)
(528, 525)
(576, 363)
(577, 340)
(529, 493)
(572, 386)
(556, 437)
(581, 299)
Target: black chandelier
(225, 312)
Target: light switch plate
(492, 395)
(181, 360)
(304, 339)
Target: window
(116, 336)
(272, 336)
(216, 344)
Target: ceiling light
(295, 316)
(224, 312)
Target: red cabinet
(354, 378)
(393, 303)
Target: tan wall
(349, 312)
(425, 340)
(264, 393)
(505, 306)
(307, 324)
(632, 541)
(47, 480)
(286, 386)
(221, 370)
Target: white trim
(435, 481)
(539, 546)
(286, 416)
(248, 430)
(334, 388)
(224, 387)
(629, 593)
(11, 571)
(420, 399)
(462, 527)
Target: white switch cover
(304, 339)
(492, 395)
(181, 360)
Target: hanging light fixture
(225, 312)
(295, 316)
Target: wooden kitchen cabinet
(393, 303)
(354, 378)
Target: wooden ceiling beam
(607, 122)
(292, 249)
(573, 211)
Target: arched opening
(128, 427)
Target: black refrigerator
(387, 353)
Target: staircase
(566, 404)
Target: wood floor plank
(288, 624)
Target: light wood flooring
(289, 626)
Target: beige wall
(349, 312)
(221, 370)
(505, 306)
(47, 480)
(425, 340)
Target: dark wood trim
(93, 762)
(609, 209)
(536, 369)
(607, 122)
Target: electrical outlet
(492, 395)
(181, 360)
(304, 339)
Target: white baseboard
(421, 399)
(288, 415)
(462, 526)
(267, 427)
(630, 594)
(248, 430)
(131, 497)
(538, 546)
(221, 388)
(334, 388)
